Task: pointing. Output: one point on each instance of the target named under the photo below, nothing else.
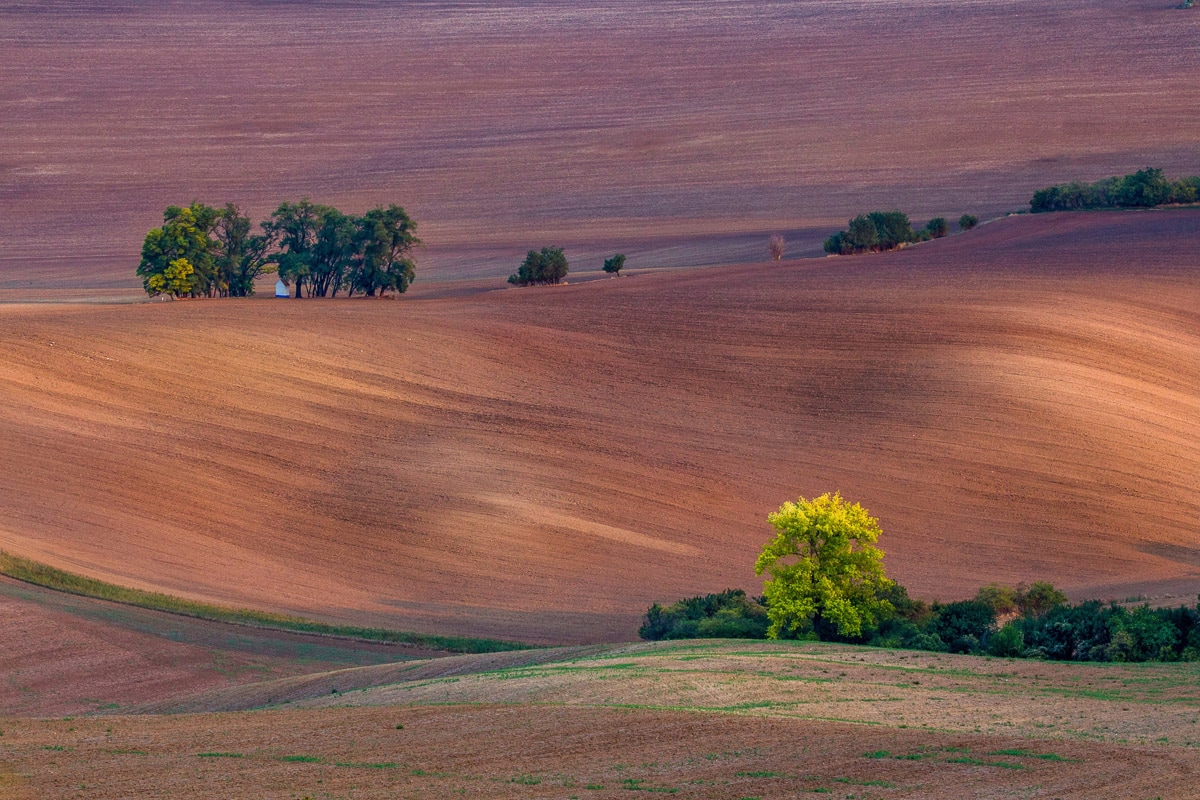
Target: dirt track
(1018, 403)
(680, 133)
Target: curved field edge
(1145, 704)
(29, 571)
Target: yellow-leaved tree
(823, 567)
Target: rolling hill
(1016, 403)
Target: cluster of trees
(545, 266)
(826, 581)
(202, 251)
(883, 230)
(1145, 188)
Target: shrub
(1001, 599)
(614, 265)
(968, 221)
(937, 227)
(1038, 598)
(874, 232)
(547, 266)
(966, 618)
(728, 614)
(775, 246)
(1008, 642)
(1145, 188)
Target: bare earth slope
(677, 132)
(1016, 403)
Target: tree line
(826, 582)
(1145, 188)
(202, 251)
(880, 231)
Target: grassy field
(721, 719)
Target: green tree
(548, 266)
(184, 235)
(937, 227)
(176, 280)
(1002, 599)
(614, 265)
(1038, 598)
(241, 255)
(968, 221)
(383, 245)
(823, 565)
(332, 249)
(295, 226)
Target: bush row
(887, 230)
(1143, 189)
(1033, 621)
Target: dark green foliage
(203, 251)
(968, 221)
(241, 255)
(963, 625)
(549, 266)
(1145, 188)
(727, 615)
(1045, 626)
(381, 246)
(185, 234)
(937, 227)
(1008, 642)
(614, 265)
(874, 232)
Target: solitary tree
(968, 221)
(775, 246)
(614, 265)
(823, 565)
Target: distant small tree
(547, 266)
(1002, 599)
(823, 567)
(937, 227)
(775, 246)
(968, 221)
(614, 265)
(1038, 598)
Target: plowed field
(1017, 403)
(677, 132)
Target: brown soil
(504, 751)
(679, 133)
(1017, 403)
(67, 655)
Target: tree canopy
(1145, 188)
(823, 567)
(614, 265)
(316, 249)
(547, 266)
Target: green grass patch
(877, 754)
(301, 759)
(1030, 754)
(525, 780)
(24, 569)
(219, 755)
(638, 785)
(763, 774)
(978, 762)
(853, 782)
(368, 764)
